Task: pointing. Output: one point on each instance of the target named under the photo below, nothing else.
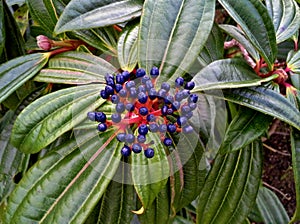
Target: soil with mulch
(278, 173)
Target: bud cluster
(140, 107)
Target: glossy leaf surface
(171, 28)
(90, 14)
(47, 118)
(231, 186)
(262, 35)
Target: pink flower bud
(44, 42)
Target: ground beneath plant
(278, 173)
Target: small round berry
(185, 93)
(181, 121)
(141, 138)
(121, 137)
(129, 85)
(179, 96)
(102, 127)
(171, 128)
(145, 79)
(166, 86)
(109, 76)
(125, 151)
(123, 93)
(143, 129)
(169, 99)
(140, 72)
(118, 87)
(91, 116)
(164, 110)
(168, 142)
(133, 92)
(143, 111)
(136, 148)
(162, 128)
(154, 72)
(193, 98)
(141, 89)
(152, 93)
(189, 85)
(129, 138)
(120, 79)
(109, 90)
(120, 107)
(100, 117)
(151, 117)
(193, 106)
(187, 129)
(149, 153)
(153, 127)
(162, 93)
(115, 99)
(170, 111)
(110, 82)
(179, 82)
(175, 105)
(116, 118)
(103, 94)
(126, 75)
(185, 109)
(189, 115)
(129, 107)
(142, 97)
(149, 85)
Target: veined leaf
(227, 73)
(238, 35)
(90, 14)
(246, 126)
(150, 175)
(172, 34)
(262, 35)
(265, 100)
(231, 186)
(270, 207)
(16, 72)
(75, 68)
(293, 61)
(286, 18)
(2, 28)
(75, 174)
(47, 118)
(127, 47)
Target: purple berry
(175, 105)
(162, 93)
(141, 89)
(181, 121)
(141, 138)
(109, 90)
(116, 118)
(100, 117)
(91, 116)
(123, 93)
(129, 85)
(142, 97)
(129, 107)
(133, 93)
(169, 99)
(140, 72)
(171, 128)
(121, 137)
(165, 86)
(179, 82)
(189, 115)
(143, 111)
(193, 98)
(118, 87)
(151, 117)
(153, 127)
(187, 129)
(126, 75)
(120, 79)
(115, 99)
(170, 111)
(152, 93)
(149, 85)
(149, 153)
(145, 79)
(125, 151)
(102, 127)
(120, 107)
(103, 94)
(154, 72)
(162, 128)
(189, 85)
(193, 106)
(168, 142)
(129, 138)
(143, 129)
(136, 148)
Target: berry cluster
(140, 106)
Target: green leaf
(270, 207)
(21, 16)
(127, 47)
(238, 35)
(47, 118)
(46, 12)
(75, 68)
(2, 28)
(265, 100)
(16, 72)
(91, 14)
(227, 73)
(286, 18)
(150, 175)
(172, 34)
(262, 34)
(231, 186)
(295, 79)
(65, 185)
(293, 61)
(245, 127)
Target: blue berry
(118, 87)
(185, 93)
(123, 93)
(164, 110)
(125, 151)
(120, 79)
(162, 93)
(136, 148)
(145, 79)
(162, 128)
(102, 127)
(141, 138)
(189, 115)
(143, 129)
(141, 89)
(140, 72)
(169, 99)
(149, 85)
(175, 105)
(115, 99)
(193, 98)
(171, 128)
(116, 118)
(129, 138)
(181, 121)
(129, 107)
(100, 117)
(168, 142)
(109, 90)
(110, 82)
(103, 94)
(109, 76)
(120, 108)
(189, 85)
(179, 96)
(170, 111)
(149, 153)
(126, 75)
(152, 93)
(142, 97)
(91, 116)
(187, 129)
(129, 84)
(151, 117)
(143, 111)
(154, 72)
(193, 106)
(185, 109)
(133, 93)
(165, 86)
(179, 82)
(153, 127)
(121, 137)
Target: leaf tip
(140, 211)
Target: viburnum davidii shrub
(132, 111)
